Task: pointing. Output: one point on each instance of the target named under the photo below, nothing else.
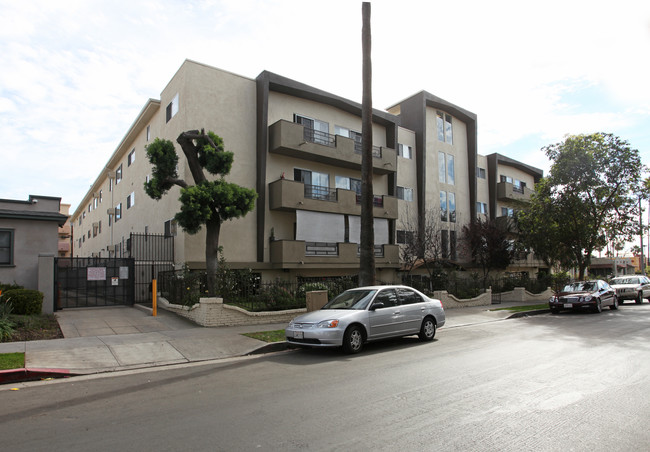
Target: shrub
(25, 301)
(5, 287)
(6, 325)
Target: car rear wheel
(599, 306)
(427, 330)
(639, 298)
(555, 311)
(353, 340)
(614, 305)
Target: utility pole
(642, 259)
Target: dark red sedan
(591, 295)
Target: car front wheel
(599, 306)
(639, 298)
(427, 330)
(615, 304)
(353, 340)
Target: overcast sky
(75, 74)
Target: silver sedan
(366, 314)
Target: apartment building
(299, 147)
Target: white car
(357, 316)
(633, 287)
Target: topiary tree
(207, 202)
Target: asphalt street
(575, 381)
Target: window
(480, 172)
(452, 245)
(445, 130)
(443, 205)
(404, 237)
(118, 174)
(6, 246)
(170, 228)
(118, 212)
(90, 207)
(507, 179)
(148, 133)
(442, 168)
(172, 108)
(110, 184)
(100, 196)
(95, 202)
(507, 212)
(444, 243)
(349, 183)
(315, 130)
(481, 207)
(131, 158)
(451, 201)
(451, 177)
(405, 151)
(316, 184)
(130, 200)
(405, 193)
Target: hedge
(24, 301)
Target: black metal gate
(153, 253)
(81, 282)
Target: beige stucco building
(299, 147)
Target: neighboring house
(606, 267)
(65, 234)
(299, 147)
(27, 229)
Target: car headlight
(328, 324)
(290, 324)
(587, 298)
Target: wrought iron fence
(322, 193)
(318, 137)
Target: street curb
(518, 315)
(26, 374)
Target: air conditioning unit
(110, 211)
(111, 174)
(95, 225)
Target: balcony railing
(318, 137)
(321, 249)
(518, 189)
(376, 150)
(379, 250)
(322, 193)
(377, 201)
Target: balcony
(294, 254)
(507, 224)
(506, 191)
(294, 140)
(289, 195)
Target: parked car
(366, 314)
(632, 287)
(592, 295)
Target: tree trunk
(212, 231)
(367, 257)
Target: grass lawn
(268, 336)
(12, 361)
(534, 307)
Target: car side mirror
(377, 305)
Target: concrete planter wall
(213, 312)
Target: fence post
(154, 289)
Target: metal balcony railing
(376, 150)
(318, 137)
(377, 201)
(322, 193)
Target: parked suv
(632, 287)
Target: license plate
(298, 334)
(568, 305)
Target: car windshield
(351, 299)
(580, 287)
(625, 281)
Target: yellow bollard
(154, 289)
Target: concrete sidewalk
(121, 338)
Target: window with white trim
(6, 247)
(118, 212)
(445, 129)
(405, 151)
(404, 193)
(131, 158)
(480, 172)
(118, 174)
(130, 200)
(481, 207)
(172, 108)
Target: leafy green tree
(207, 202)
(488, 245)
(590, 194)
